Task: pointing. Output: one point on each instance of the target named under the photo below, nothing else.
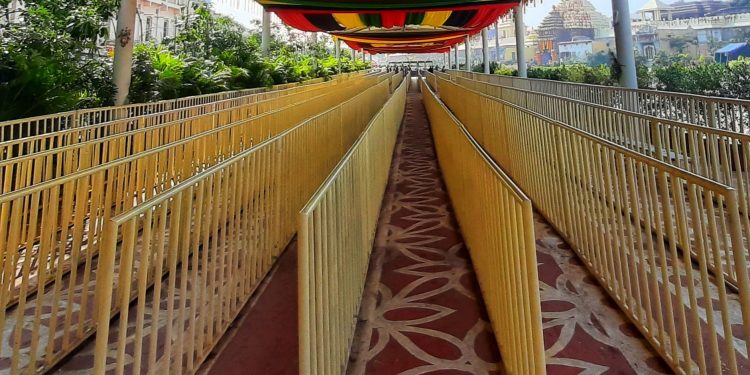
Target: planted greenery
(53, 60)
(676, 73)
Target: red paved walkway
(263, 340)
(423, 312)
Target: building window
(166, 29)
(650, 52)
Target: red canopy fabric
(395, 26)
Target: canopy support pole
(467, 53)
(455, 55)
(123, 63)
(520, 41)
(338, 54)
(624, 43)
(497, 41)
(485, 52)
(265, 37)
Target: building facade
(574, 25)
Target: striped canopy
(392, 26)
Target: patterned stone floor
(423, 312)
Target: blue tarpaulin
(732, 51)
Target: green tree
(51, 62)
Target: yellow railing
(27, 127)
(497, 223)
(395, 79)
(214, 237)
(721, 113)
(109, 144)
(599, 196)
(237, 107)
(336, 232)
(712, 153)
(173, 137)
(50, 232)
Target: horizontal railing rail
(497, 223)
(714, 112)
(50, 232)
(597, 194)
(25, 127)
(716, 154)
(98, 154)
(23, 146)
(214, 237)
(336, 231)
(59, 161)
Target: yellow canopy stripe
(349, 20)
(436, 19)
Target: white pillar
(338, 54)
(497, 41)
(485, 52)
(520, 41)
(467, 52)
(123, 64)
(265, 37)
(450, 50)
(624, 42)
(455, 55)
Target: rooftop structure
(568, 21)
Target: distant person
(431, 70)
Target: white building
(576, 50)
(157, 19)
(245, 12)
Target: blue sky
(535, 14)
